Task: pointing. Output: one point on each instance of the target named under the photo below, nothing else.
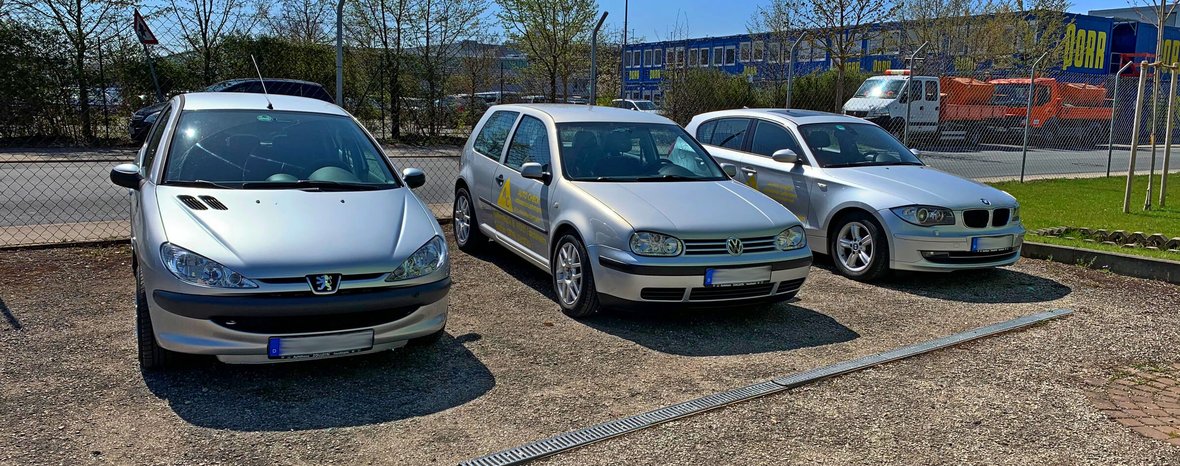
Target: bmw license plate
(319, 345)
(991, 243)
(737, 277)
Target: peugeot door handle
(500, 180)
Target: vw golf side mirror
(414, 177)
(785, 156)
(729, 169)
(126, 175)
(534, 171)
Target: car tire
(849, 259)
(152, 357)
(573, 278)
(465, 226)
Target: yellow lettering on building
(1086, 48)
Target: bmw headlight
(646, 243)
(1016, 213)
(428, 259)
(924, 215)
(790, 239)
(196, 269)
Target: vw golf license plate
(991, 243)
(737, 277)
(319, 345)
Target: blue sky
(657, 19)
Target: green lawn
(1097, 203)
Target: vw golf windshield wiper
(197, 184)
(671, 178)
(320, 185)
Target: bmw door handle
(750, 171)
(500, 180)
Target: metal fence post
(1032, 78)
(1114, 107)
(1168, 135)
(791, 67)
(1135, 135)
(909, 93)
(593, 100)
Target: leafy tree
(205, 23)
(553, 33)
(440, 27)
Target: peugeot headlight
(646, 243)
(428, 259)
(790, 239)
(196, 269)
(924, 215)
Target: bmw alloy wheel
(854, 247)
(569, 274)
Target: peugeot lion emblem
(326, 283)
(985, 201)
(734, 246)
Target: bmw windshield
(272, 150)
(837, 145)
(633, 152)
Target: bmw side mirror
(729, 169)
(785, 156)
(126, 175)
(414, 177)
(916, 152)
(534, 171)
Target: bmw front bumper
(944, 249)
(237, 328)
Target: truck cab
(882, 100)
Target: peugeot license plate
(319, 345)
(991, 243)
(737, 277)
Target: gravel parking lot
(514, 369)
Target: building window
(773, 50)
(730, 55)
(657, 57)
(718, 55)
(637, 59)
(647, 57)
(680, 57)
(626, 59)
(692, 57)
(745, 51)
(759, 51)
(670, 57)
(704, 57)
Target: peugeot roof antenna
(269, 106)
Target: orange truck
(1061, 112)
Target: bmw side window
(730, 133)
(153, 144)
(771, 137)
(705, 131)
(530, 143)
(490, 141)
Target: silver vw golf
(622, 208)
(864, 198)
(272, 230)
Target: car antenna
(269, 106)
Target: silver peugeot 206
(267, 230)
(864, 198)
(622, 208)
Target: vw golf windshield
(633, 152)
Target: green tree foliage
(554, 33)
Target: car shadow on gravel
(988, 286)
(10, 319)
(344, 392)
(723, 331)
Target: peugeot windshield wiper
(320, 185)
(197, 184)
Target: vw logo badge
(326, 283)
(985, 201)
(734, 246)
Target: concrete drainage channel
(573, 439)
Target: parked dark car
(142, 119)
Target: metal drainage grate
(580, 437)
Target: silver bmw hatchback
(622, 208)
(277, 230)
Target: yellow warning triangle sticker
(505, 200)
(752, 180)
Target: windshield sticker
(840, 127)
(265, 118)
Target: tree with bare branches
(204, 23)
(304, 21)
(440, 28)
(552, 32)
(387, 21)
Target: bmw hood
(905, 185)
(293, 233)
(692, 207)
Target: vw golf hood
(293, 233)
(900, 185)
(694, 207)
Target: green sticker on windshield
(840, 127)
(266, 118)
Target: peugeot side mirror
(729, 169)
(126, 175)
(414, 177)
(785, 156)
(916, 152)
(534, 171)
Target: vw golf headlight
(428, 259)
(196, 269)
(791, 239)
(924, 215)
(646, 243)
